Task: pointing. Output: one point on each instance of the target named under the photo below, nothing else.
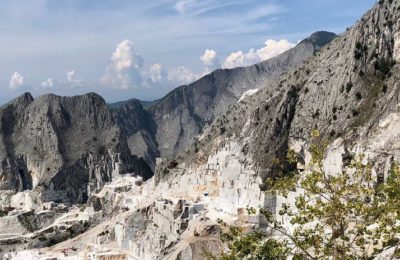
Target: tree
(254, 245)
(350, 215)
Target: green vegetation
(357, 54)
(255, 245)
(349, 86)
(384, 65)
(384, 88)
(358, 96)
(351, 215)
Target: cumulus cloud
(124, 70)
(210, 60)
(48, 83)
(16, 81)
(182, 75)
(71, 79)
(157, 73)
(272, 48)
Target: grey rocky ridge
(62, 145)
(169, 125)
(348, 90)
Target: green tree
(350, 215)
(254, 245)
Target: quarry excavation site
(296, 156)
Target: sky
(144, 48)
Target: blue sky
(130, 48)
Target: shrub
(222, 130)
(384, 65)
(350, 215)
(172, 164)
(349, 86)
(42, 238)
(384, 88)
(316, 114)
(357, 54)
(355, 112)
(358, 96)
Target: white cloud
(70, 76)
(124, 70)
(272, 48)
(209, 58)
(210, 61)
(235, 59)
(182, 75)
(73, 81)
(17, 80)
(48, 83)
(157, 73)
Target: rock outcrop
(184, 112)
(343, 91)
(349, 91)
(62, 145)
(139, 128)
(171, 123)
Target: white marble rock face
(397, 46)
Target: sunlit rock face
(397, 46)
(62, 145)
(222, 180)
(188, 203)
(174, 214)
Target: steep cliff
(62, 144)
(344, 91)
(349, 91)
(174, 121)
(139, 128)
(184, 112)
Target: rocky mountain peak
(21, 101)
(320, 38)
(173, 122)
(343, 91)
(62, 144)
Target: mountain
(62, 145)
(143, 103)
(183, 113)
(346, 93)
(138, 126)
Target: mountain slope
(349, 92)
(139, 127)
(62, 144)
(183, 113)
(344, 92)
